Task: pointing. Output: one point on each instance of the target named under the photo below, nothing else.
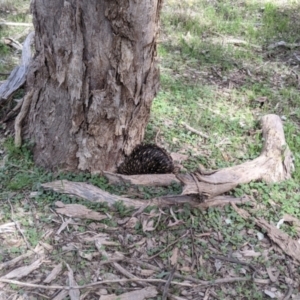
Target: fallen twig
(18, 228)
(286, 243)
(167, 285)
(127, 274)
(157, 269)
(92, 285)
(170, 245)
(194, 130)
(16, 24)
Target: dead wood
(148, 292)
(194, 130)
(91, 193)
(284, 45)
(22, 114)
(274, 164)
(101, 283)
(78, 211)
(202, 189)
(15, 24)
(146, 180)
(18, 76)
(287, 244)
(88, 192)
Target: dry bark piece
(293, 220)
(127, 274)
(24, 271)
(78, 211)
(73, 293)
(142, 294)
(63, 226)
(38, 250)
(22, 114)
(53, 274)
(286, 243)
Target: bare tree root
(20, 118)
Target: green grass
(198, 64)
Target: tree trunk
(94, 77)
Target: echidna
(147, 159)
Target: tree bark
(94, 77)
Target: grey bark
(94, 75)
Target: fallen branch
(145, 293)
(286, 243)
(16, 24)
(274, 164)
(194, 130)
(283, 44)
(92, 285)
(127, 274)
(202, 189)
(18, 76)
(89, 192)
(94, 194)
